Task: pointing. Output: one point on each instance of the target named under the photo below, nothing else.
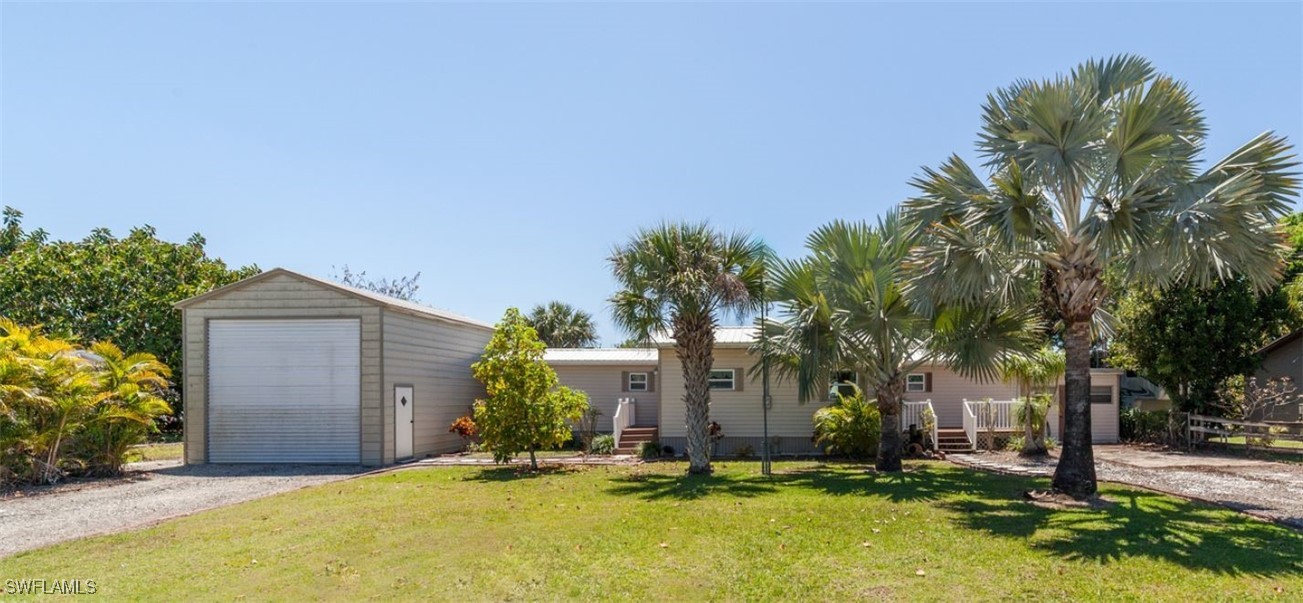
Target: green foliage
(525, 410)
(603, 444)
(851, 426)
(104, 288)
(1189, 339)
(561, 325)
(649, 450)
(68, 409)
(400, 288)
(1137, 425)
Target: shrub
(649, 450)
(1144, 426)
(464, 426)
(668, 450)
(603, 444)
(851, 426)
(745, 451)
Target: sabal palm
(1098, 169)
(1035, 371)
(680, 279)
(560, 325)
(845, 306)
(125, 405)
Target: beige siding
(1104, 420)
(434, 357)
(604, 384)
(279, 297)
(949, 390)
(738, 412)
(1285, 362)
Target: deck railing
(913, 413)
(987, 415)
(624, 417)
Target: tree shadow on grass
(660, 486)
(512, 473)
(1139, 524)
(917, 483)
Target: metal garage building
(288, 368)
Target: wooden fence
(1254, 434)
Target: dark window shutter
(624, 381)
(927, 382)
(738, 378)
(651, 382)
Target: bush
(745, 452)
(464, 426)
(649, 450)
(668, 450)
(850, 427)
(1144, 426)
(603, 444)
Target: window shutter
(651, 381)
(927, 382)
(738, 378)
(624, 381)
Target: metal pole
(764, 376)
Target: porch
(986, 424)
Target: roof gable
(362, 294)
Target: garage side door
(284, 391)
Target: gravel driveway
(1264, 489)
(151, 492)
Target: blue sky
(501, 150)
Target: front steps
(953, 440)
(633, 437)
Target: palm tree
(127, 402)
(1033, 372)
(846, 306)
(561, 325)
(679, 279)
(1095, 169)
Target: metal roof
(580, 356)
(383, 300)
(728, 337)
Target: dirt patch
(1048, 499)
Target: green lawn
(1239, 441)
(156, 452)
(649, 533)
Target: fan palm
(844, 306)
(1033, 372)
(560, 325)
(1093, 169)
(680, 279)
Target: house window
(843, 383)
(637, 382)
(722, 379)
(916, 382)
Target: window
(1101, 394)
(637, 382)
(843, 382)
(722, 379)
(916, 382)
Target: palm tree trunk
(889, 445)
(694, 339)
(1075, 475)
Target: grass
(1278, 443)
(827, 532)
(156, 452)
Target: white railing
(987, 415)
(624, 414)
(912, 413)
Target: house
(284, 367)
(736, 395)
(1283, 359)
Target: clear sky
(502, 150)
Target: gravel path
(1264, 489)
(151, 492)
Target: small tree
(400, 288)
(524, 410)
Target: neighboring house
(1283, 359)
(283, 367)
(608, 375)
(736, 394)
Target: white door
(403, 423)
(284, 391)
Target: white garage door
(284, 391)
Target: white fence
(913, 413)
(624, 417)
(987, 415)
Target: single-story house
(284, 367)
(1283, 359)
(609, 375)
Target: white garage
(287, 368)
(285, 390)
